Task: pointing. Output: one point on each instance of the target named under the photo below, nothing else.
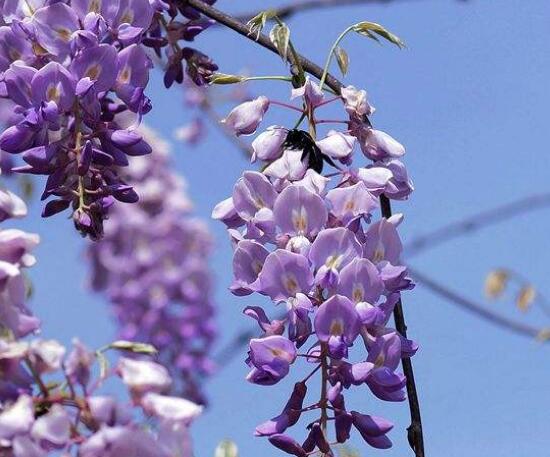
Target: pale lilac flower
(361, 281)
(52, 429)
(46, 355)
(191, 133)
(248, 261)
(355, 102)
(283, 275)
(290, 166)
(245, 118)
(268, 145)
(170, 408)
(349, 203)
(338, 324)
(376, 179)
(142, 376)
(377, 145)
(310, 92)
(17, 418)
(270, 358)
(337, 145)
(11, 206)
(298, 211)
(331, 251)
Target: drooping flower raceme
(153, 265)
(309, 242)
(69, 67)
(50, 399)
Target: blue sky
(469, 99)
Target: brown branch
(474, 307)
(476, 222)
(415, 435)
(262, 40)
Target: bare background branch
(479, 310)
(476, 222)
(296, 7)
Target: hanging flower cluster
(180, 23)
(308, 242)
(50, 401)
(69, 67)
(153, 265)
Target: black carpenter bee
(301, 140)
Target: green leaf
(342, 59)
(372, 29)
(257, 23)
(280, 37)
(226, 448)
(131, 346)
(103, 364)
(222, 78)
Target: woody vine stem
(298, 64)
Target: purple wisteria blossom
(50, 397)
(68, 67)
(308, 242)
(152, 265)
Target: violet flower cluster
(50, 399)
(69, 67)
(308, 241)
(174, 24)
(153, 265)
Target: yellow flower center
(53, 94)
(333, 261)
(337, 327)
(93, 71)
(128, 16)
(379, 253)
(64, 34)
(125, 75)
(299, 220)
(95, 6)
(291, 284)
(358, 293)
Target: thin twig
(415, 429)
(262, 40)
(475, 308)
(230, 350)
(476, 222)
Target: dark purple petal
(288, 445)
